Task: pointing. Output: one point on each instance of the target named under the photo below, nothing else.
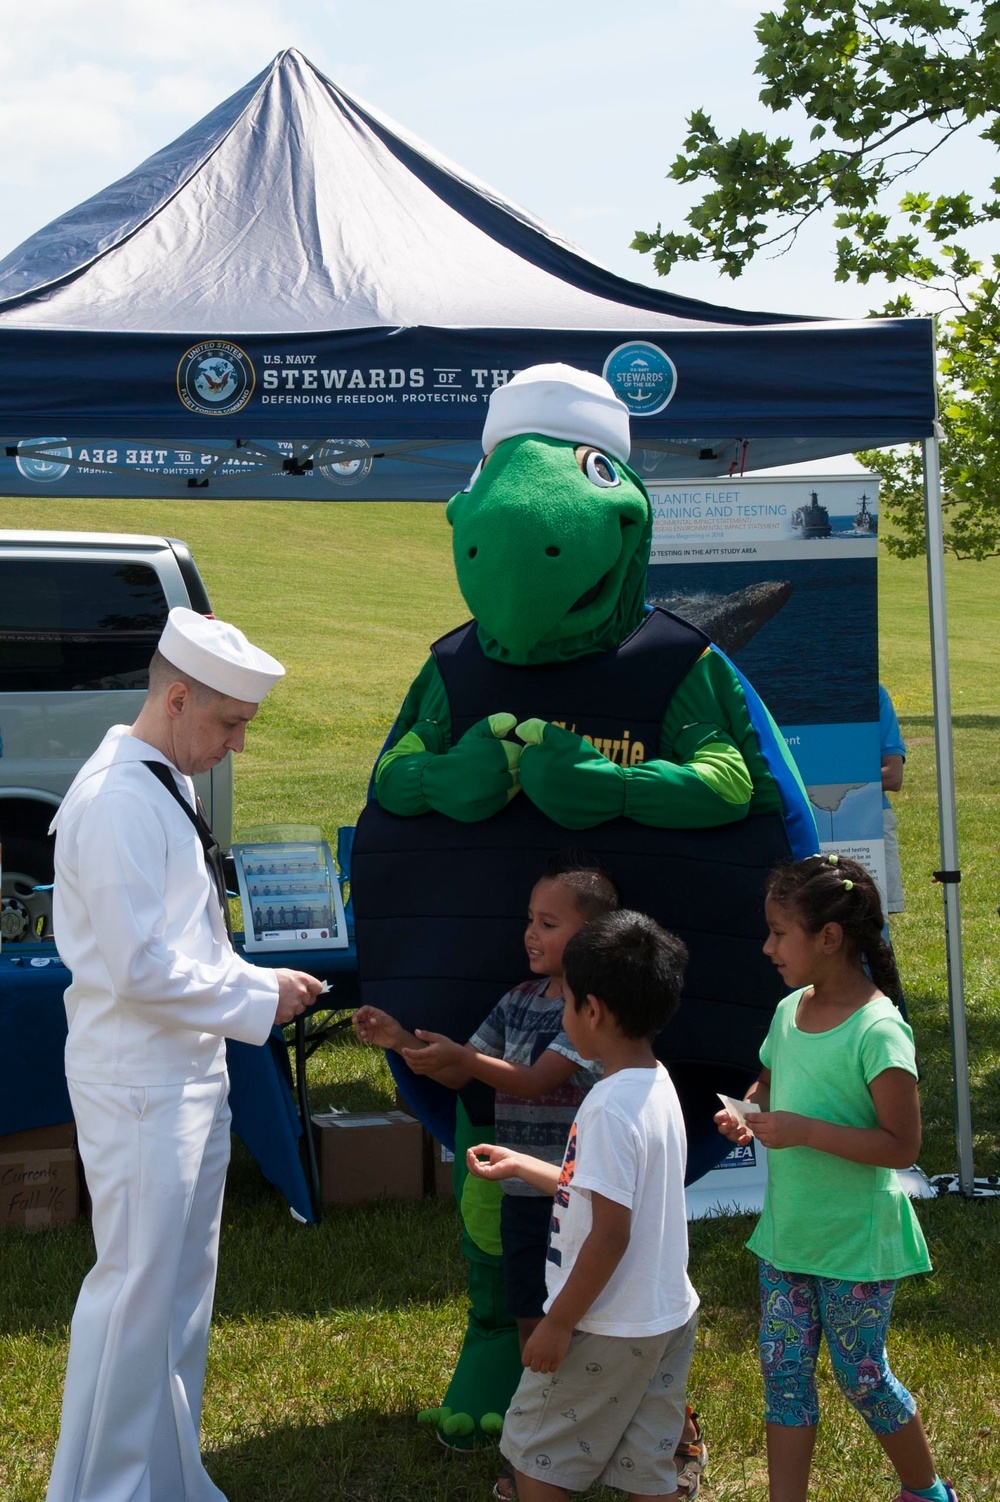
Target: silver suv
(80, 616)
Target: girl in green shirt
(839, 1113)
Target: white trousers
(155, 1158)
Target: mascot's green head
(552, 533)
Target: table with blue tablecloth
(266, 1117)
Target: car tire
(27, 864)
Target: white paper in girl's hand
(741, 1109)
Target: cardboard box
(369, 1155)
(439, 1161)
(38, 1188)
(40, 1139)
(39, 1177)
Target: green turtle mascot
(565, 704)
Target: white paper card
(741, 1109)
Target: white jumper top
(156, 986)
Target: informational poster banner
(290, 896)
(782, 575)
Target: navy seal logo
(43, 467)
(641, 376)
(345, 470)
(215, 379)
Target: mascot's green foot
(489, 1368)
(459, 1424)
(489, 1364)
(435, 1417)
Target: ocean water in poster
(783, 575)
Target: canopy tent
(300, 276)
(299, 299)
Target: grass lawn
(328, 1340)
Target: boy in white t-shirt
(602, 1396)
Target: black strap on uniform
(210, 845)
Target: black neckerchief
(210, 845)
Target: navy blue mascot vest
(440, 906)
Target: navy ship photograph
(812, 520)
(865, 520)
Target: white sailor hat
(559, 402)
(218, 654)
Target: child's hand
(733, 1129)
(438, 1053)
(488, 1161)
(376, 1027)
(546, 1346)
(782, 1129)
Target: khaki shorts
(613, 1412)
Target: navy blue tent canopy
(298, 298)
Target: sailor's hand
(477, 776)
(572, 781)
(296, 991)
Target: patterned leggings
(795, 1309)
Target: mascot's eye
(474, 476)
(599, 470)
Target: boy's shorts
(613, 1412)
(524, 1242)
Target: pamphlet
(290, 895)
(741, 1109)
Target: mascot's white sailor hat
(218, 655)
(559, 402)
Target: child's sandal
(690, 1459)
(505, 1487)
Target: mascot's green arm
(699, 779)
(711, 693)
(469, 780)
(423, 727)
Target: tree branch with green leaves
(883, 87)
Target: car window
(77, 624)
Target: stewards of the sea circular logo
(642, 376)
(38, 459)
(344, 469)
(215, 378)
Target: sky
(572, 108)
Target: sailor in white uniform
(156, 989)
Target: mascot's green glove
(567, 778)
(477, 776)
(469, 781)
(707, 783)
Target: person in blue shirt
(893, 752)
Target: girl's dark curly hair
(834, 889)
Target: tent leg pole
(947, 820)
